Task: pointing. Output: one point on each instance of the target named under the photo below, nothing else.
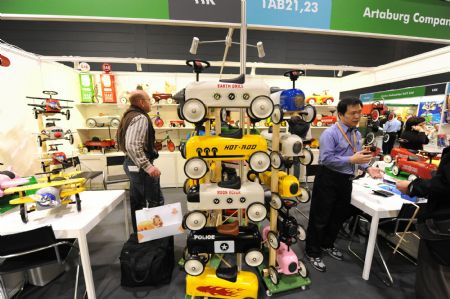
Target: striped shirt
(136, 141)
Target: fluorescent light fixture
(194, 45)
(139, 67)
(260, 48)
(340, 73)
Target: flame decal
(213, 290)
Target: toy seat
(233, 183)
(413, 158)
(227, 273)
(231, 229)
(234, 134)
(237, 80)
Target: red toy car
(177, 123)
(97, 144)
(324, 120)
(414, 167)
(156, 97)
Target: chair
(117, 178)
(31, 249)
(399, 226)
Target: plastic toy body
(9, 179)
(157, 97)
(423, 170)
(103, 121)
(288, 185)
(324, 120)
(100, 144)
(209, 285)
(50, 105)
(292, 100)
(54, 133)
(290, 145)
(317, 99)
(177, 123)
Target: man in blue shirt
(391, 128)
(341, 155)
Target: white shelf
(174, 128)
(96, 128)
(117, 105)
(165, 105)
(326, 106)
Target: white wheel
(311, 113)
(370, 138)
(123, 100)
(70, 139)
(91, 123)
(275, 201)
(387, 158)
(194, 267)
(311, 101)
(375, 114)
(302, 270)
(329, 101)
(261, 107)
(319, 124)
(256, 212)
(273, 240)
(301, 233)
(386, 138)
(194, 111)
(169, 101)
(319, 116)
(395, 170)
(114, 123)
(412, 177)
(223, 114)
(195, 220)
(307, 157)
(277, 114)
(254, 258)
(259, 161)
(276, 160)
(195, 168)
(305, 196)
(273, 275)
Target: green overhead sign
(410, 18)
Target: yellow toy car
(209, 285)
(320, 99)
(199, 149)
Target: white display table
(376, 206)
(68, 223)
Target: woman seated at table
(414, 136)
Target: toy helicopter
(53, 132)
(50, 105)
(48, 195)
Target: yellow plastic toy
(209, 285)
(288, 185)
(200, 149)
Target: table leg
(86, 263)
(125, 213)
(370, 246)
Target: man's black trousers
(330, 207)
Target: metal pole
(243, 36)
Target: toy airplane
(48, 195)
(50, 105)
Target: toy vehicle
(197, 97)
(97, 144)
(291, 100)
(243, 239)
(177, 123)
(288, 264)
(320, 99)
(103, 121)
(324, 120)
(9, 179)
(250, 196)
(53, 132)
(48, 195)
(156, 97)
(414, 167)
(422, 156)
(209, 285)
(288, 186)
(199, 149)
(50, 105)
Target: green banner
(410, 92)
(148, 9)
(394, 17)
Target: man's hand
(402, 186)
(361, 157)
(153, 171)
(375, 172)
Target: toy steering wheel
(289, 203)
(50, 92)
(198, 65)
(294, 74)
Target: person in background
(136, 138)
(399, 133)
(414, 136)
(391, 128)
(341, 156)
(433, 271)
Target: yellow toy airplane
(48, 195)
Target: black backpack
(147, 264)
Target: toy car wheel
(70, 139)
(386, 138)
(370, 138)
(276, 160)
(39, 140)
(277, 114)
(169, 101)
(254, 258)
(152, 101)
(301, 233)
(186, 186)
(395, 170)
(273, 240)
(259, 161)
(305, 196)
(182, 148)
(319, 116)
(387, 158)
(195, 168)
(256, 212)
(194, 266)
(261, 107)
(67, 114)
(36, 113)
(23, 213)
(375, 114)
(273, 275)
(179, 113)
(252, 176)
(78, 202)
(195, 220)
(91, 123)
(412, 177)
(310, 113)
(223, 114)
(311, 101)
(123, 100)
(329, 101)
(307, 157)
(302, 270)
(114, 123)
(194, 111)
(319, 124)
(275, 201)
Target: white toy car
(112, 121)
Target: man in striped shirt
(136, 138)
